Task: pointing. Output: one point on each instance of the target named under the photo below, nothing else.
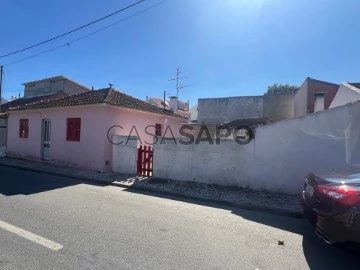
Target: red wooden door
(145, 161)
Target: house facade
(77, 131)
(39, 91)
(314, 95)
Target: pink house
(76, 131)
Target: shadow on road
(318, 254)
(17, 182)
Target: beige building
(53, 85)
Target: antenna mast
(179, 85)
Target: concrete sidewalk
(281, 204)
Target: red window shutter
(69, 129)
(73, 129)
(20, 128)
(77, 130)
(24, 128)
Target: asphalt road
(105, 227)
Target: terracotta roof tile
(18, 103)
(106, 95)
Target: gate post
(139, 162)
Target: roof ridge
(352, 87)
(107, 95)
(325, 82)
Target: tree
(281, 89)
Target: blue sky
(225, 47)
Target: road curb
(222, 202)
(168, 194)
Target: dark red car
(331, 203)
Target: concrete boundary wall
(124, 156)
(279, 157)
(220, 110)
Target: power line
(72, 31)
(34, 55)
(87, 35)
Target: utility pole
(164, 100)
(179, 84)
(1, 79)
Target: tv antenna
(179, 84)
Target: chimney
(147, 99)
(319, 104)
(173, 103)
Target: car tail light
(343, 194)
